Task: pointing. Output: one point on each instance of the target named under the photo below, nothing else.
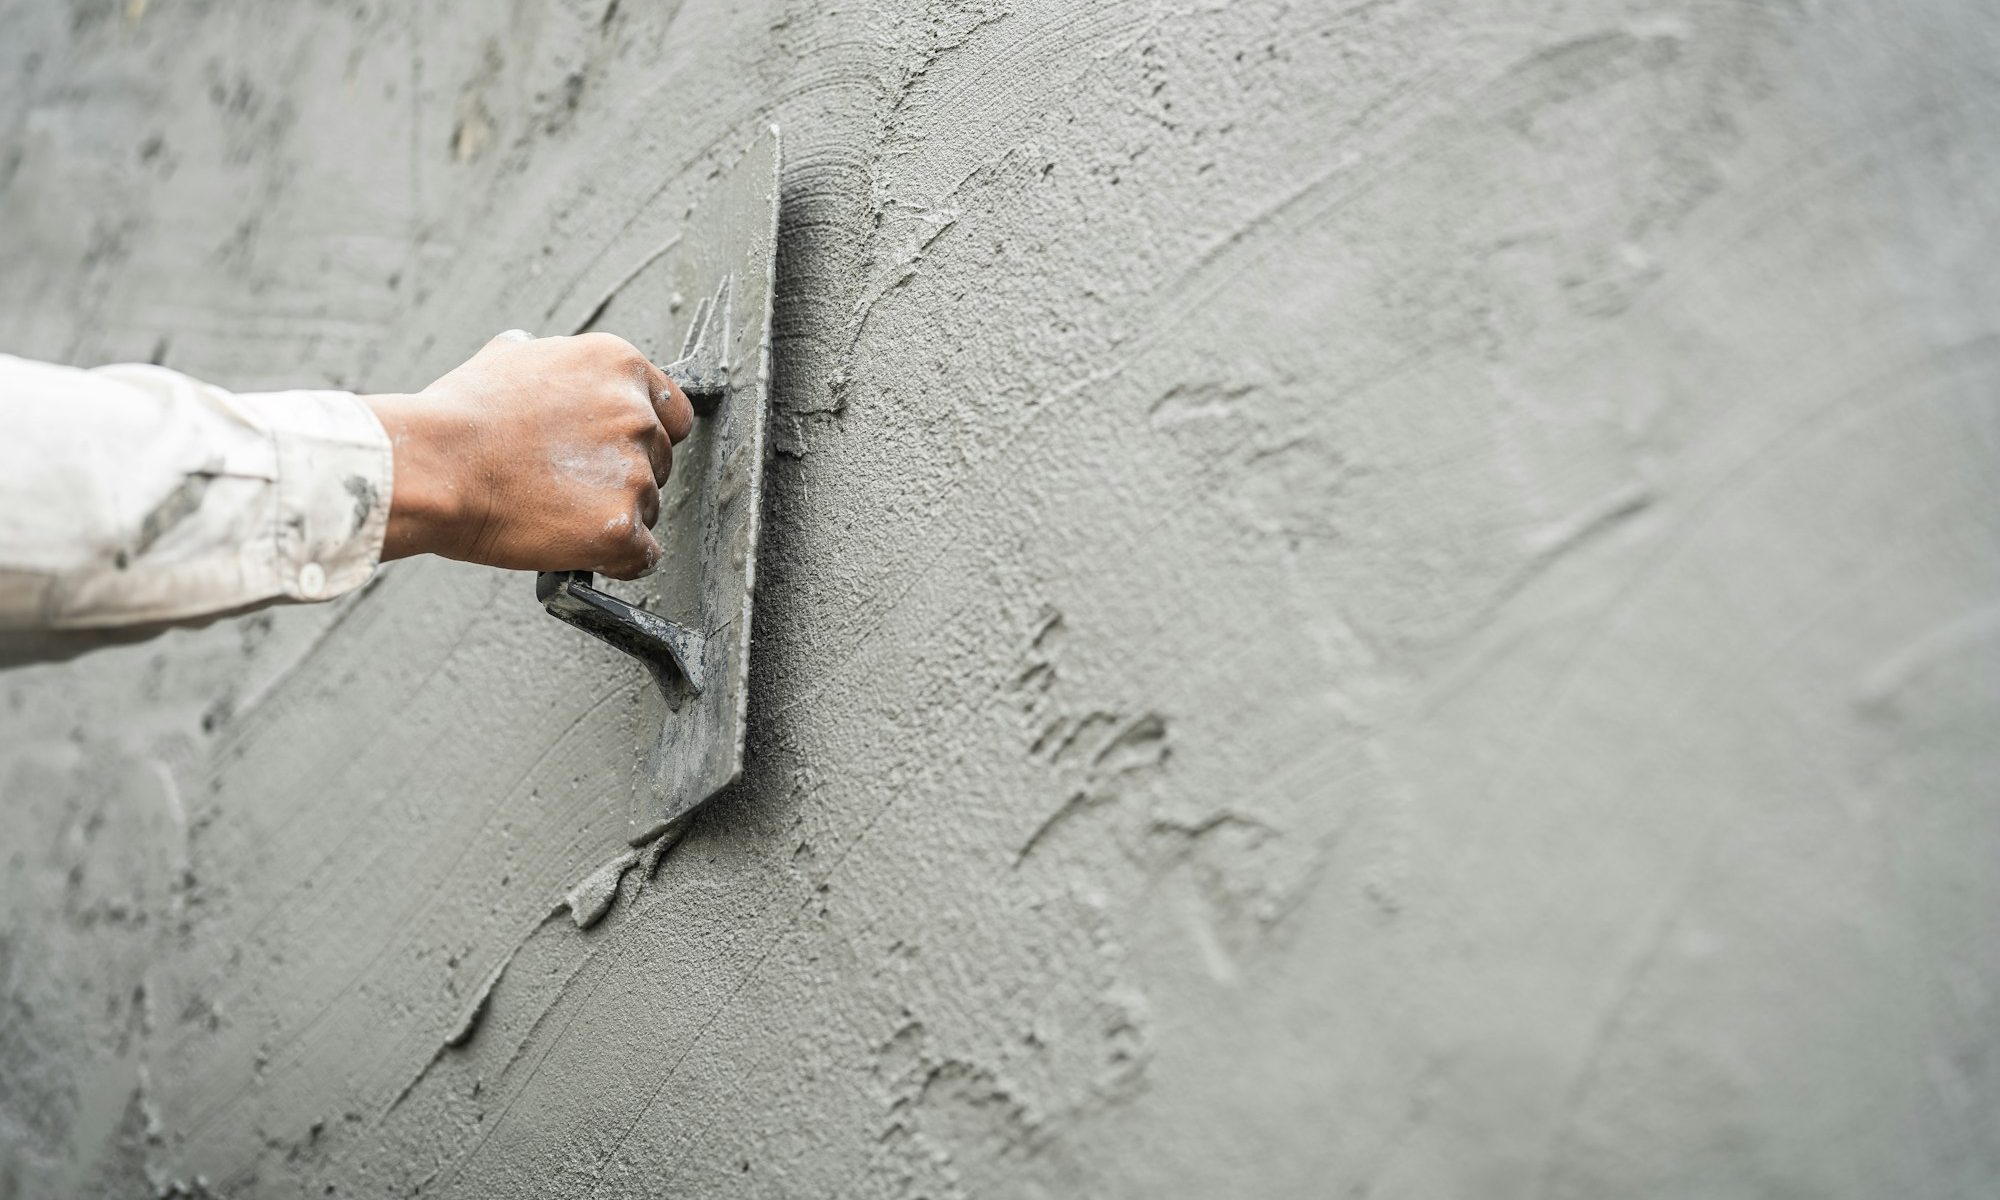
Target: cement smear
(1360, 599)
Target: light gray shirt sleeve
(133, 495)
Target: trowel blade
(710, 507)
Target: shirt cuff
(336, 473)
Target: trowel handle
(548, 583)
(665, 645)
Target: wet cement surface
(1377, 599)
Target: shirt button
(312, 580)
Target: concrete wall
(1361, 599)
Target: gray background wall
(1361, 599)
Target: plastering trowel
(689, 622)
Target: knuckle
(618, 353)
(615, 531)
(622, 561)
(637, 555)
(639, 417)
(619, 390)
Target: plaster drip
(589, 900)
(587, 903)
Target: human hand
(537, 454)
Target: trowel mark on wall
(1880, 688)
(1245, 861)
(946, 1114)
(460, 1034)
(956, 1125)
(889, 258)
(1290, 488)
(1568, 71)
(1077, 803)
(1138, 744)
(1095, 748)
(1059, 732)
(1204, 404)
(590, 317)
(586, 904)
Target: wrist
(425, 505)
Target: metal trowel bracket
(702, 370)
(673, 650)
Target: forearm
(136, 495)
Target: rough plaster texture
(1360, 599)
